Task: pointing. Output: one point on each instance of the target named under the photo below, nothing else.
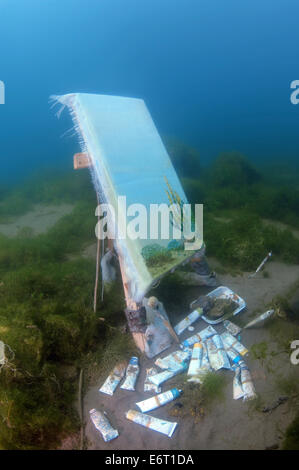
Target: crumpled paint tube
(231, 327)
(191, 318)
(237, 386)
(149, 386)
(230, 341)
(217, 354)
(113, 379)
(156, 424)
(195, 362)
(158, 379)
(246, 381)
(200, 336)
(158, 400)
(260, 319)
(204, 367)
(131, 374)
(102, 424)
(174, 361)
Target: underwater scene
(128, 322)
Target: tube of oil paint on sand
(191, 318)
(158, 379)
(156, 424)
(195, 362)
(102, 425)
(113, 379)
(158, 400)
(131, 374)
(149, 386)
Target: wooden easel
(82, 160)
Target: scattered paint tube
(230, 341)
(204, 367)
(158, 379)
(156, 424)
(102, 425)
(2, 353)
(231, 327)
(132, 373)
(175, 360)
(260, 319)
(200, 336)
(195, 362)
(217, 354)
(237, 386)
(246, 381)
(149, 386)
(113, 379)
(158, 400)
(233, 355)
(191, 318)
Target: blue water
(213, 73)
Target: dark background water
(213, 73)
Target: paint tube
(102, 424)
(195, 362)
(260, 319)
(156, 424)
(2, 353)
(176, 360)
(131, 374)
(158, 400)
(216, 352)
(230, 341)
(200, 336)
(237, 386)
(231, 327)
(204, 367)
(191, 318)
(246, 381)
(233, 355)
(158, 379)
(113, 379)
(149, 386)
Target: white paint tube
(158, 379)
(158, 400)
(204, 367)
(246, 381)
(132, 373)
(159, 425)
(102, 425)
(260, 319)
(191, 318)
(195, 362)
(113, 379)
(2, 353)
(237, 386)
(200, 336)
(149, 386)
(217, 354)
(230, 341)
(175, 361)
(233, 355)
(231, 327)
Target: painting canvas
(128, 159)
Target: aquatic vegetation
(291, 440)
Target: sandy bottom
(227, 424)
(40, 219)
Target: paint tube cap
(134, 360)
(176, 392)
